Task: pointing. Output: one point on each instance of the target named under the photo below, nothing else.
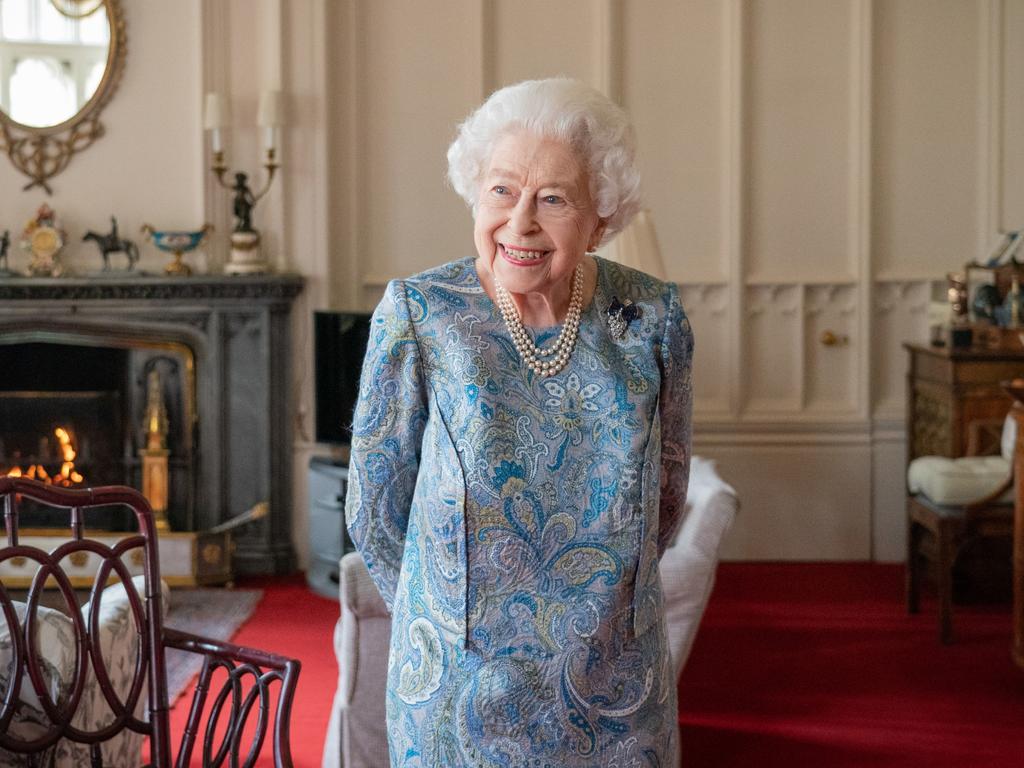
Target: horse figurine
(114, 243)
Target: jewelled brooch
(620, 315)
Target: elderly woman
(520, 456)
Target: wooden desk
(948, 389)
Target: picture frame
(1007, 248)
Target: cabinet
(948, 389)
(328, 539)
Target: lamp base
(246, 257)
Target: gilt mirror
(60, 63)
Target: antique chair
(952, 503)
(62, 703)
(356, 735)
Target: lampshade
(218, 113)
(271, 112)
(637, 246)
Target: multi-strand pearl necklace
(532, 355)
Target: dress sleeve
(387, 430)
(676, 418)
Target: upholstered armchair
(356, 735)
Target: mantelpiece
(145, 288)
(235, 335)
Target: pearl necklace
(531, 354)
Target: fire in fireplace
(74, 414)
(66, 476)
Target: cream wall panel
(536, 38)
(673, 87)
(792, 150)
(831, 371)
(707, 308)
(797, 139)
(1012, 99)
(799, 500)
(926, 138)
(773, 351)
(889, 495)
(414, 83)
(900, 315)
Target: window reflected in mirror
(53, 54)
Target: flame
(66, 477)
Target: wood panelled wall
(812, 166)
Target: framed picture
(1007, 248)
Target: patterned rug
(213, 613)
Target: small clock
(45, 241)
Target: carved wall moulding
(284, 287)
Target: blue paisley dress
(513, 525)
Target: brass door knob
(832, 339)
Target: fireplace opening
(73, 414)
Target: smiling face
(535, 218)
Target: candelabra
(246, 257)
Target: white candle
(216, 117)
(269, 137)
(271, 113)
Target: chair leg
(912, 576)
(945, 585)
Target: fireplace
(76, 358)
(73, 414)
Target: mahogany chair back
(247, 675)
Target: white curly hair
(564, 109)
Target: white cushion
(1009, 438)
(55, 640)
(687, 569)
(958, 481)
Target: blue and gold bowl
(178, 242)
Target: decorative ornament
(43, 237)
(155, 475)
(620, 315)
(560, 351)
(5, 243)
(112, 242)
(178, 243)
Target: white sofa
(55, 647)
(356, 735)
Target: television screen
(339, 340)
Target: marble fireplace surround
(237, 329)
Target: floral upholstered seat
(54, 647)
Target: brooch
(620, 315)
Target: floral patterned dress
(513, 524)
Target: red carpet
(294, 621)
(795, 665)
(819, 665)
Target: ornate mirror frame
(43, 152)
